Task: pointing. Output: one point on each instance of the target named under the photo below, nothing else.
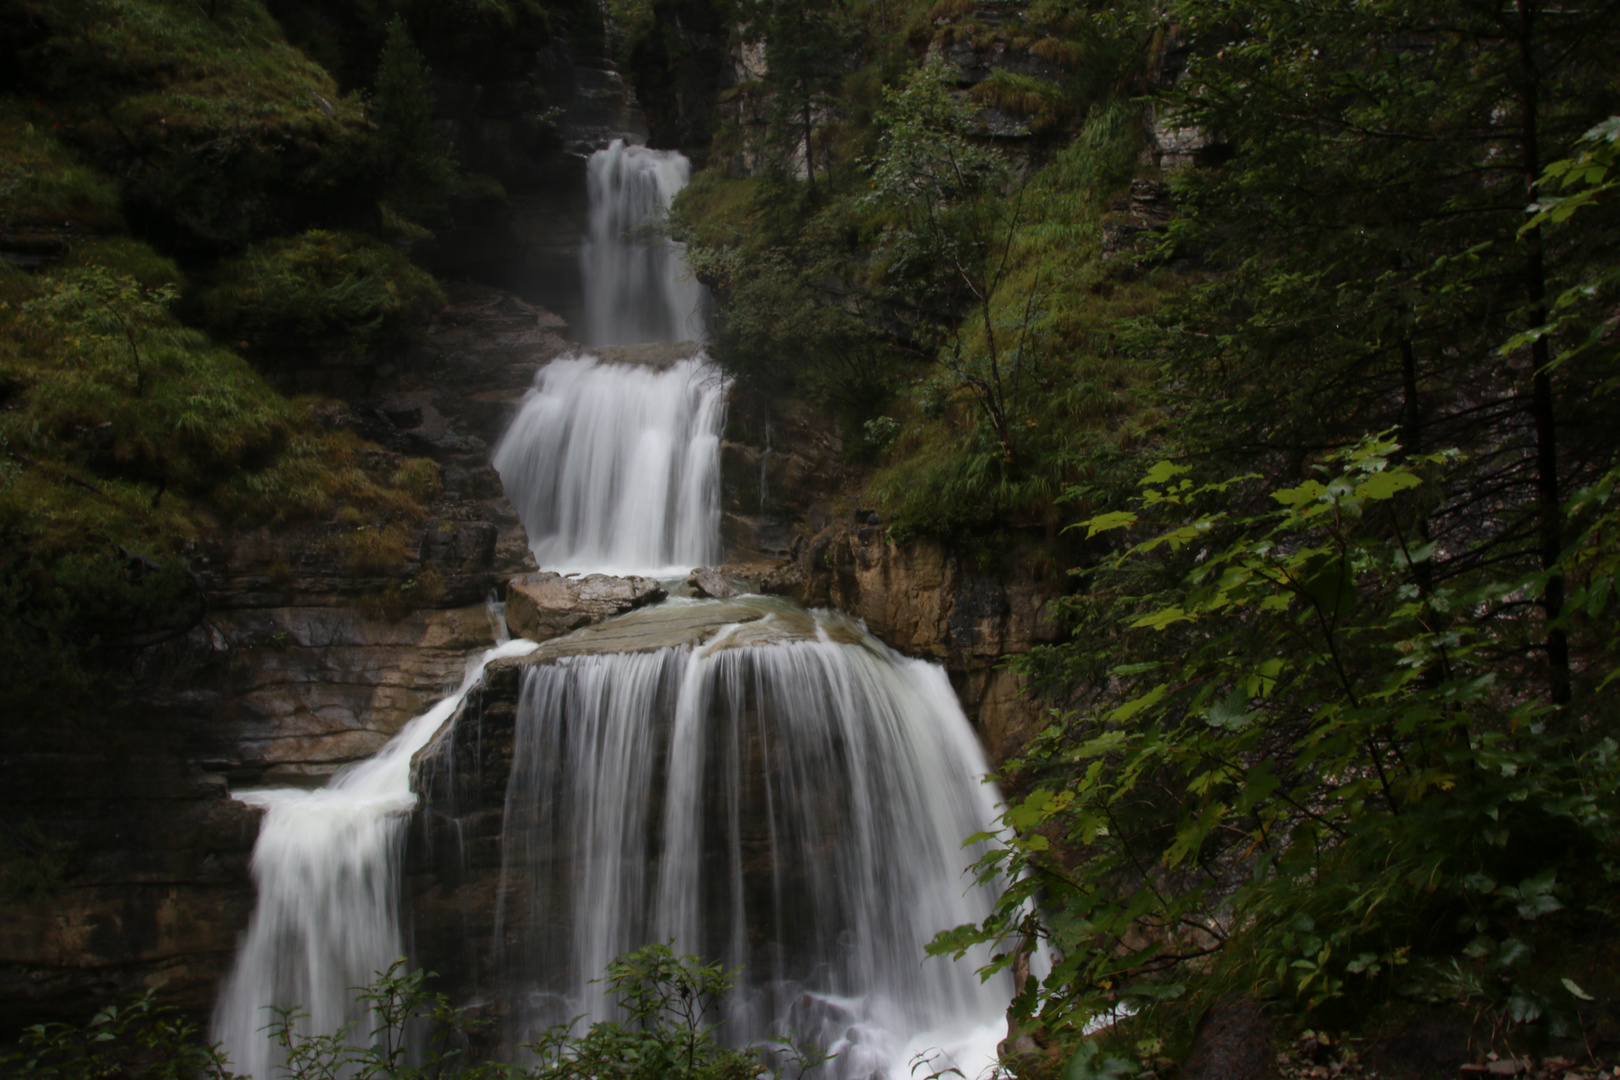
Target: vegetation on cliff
(1316, 418)
(1330, 724)
(189, 203)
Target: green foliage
(237, 133)
(97, 364)
(1313, 779)
(410, 150)
(919, 280)
(413, 1033)
(320, 288)
(31, 863)
(1577, 318)
(397, 1003)
(95, 312)
(666, 1033)
(140, 1040)
(805, 43)
(1046, 105)
(124, 437)
(43, 183)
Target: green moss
(124, 433)
(1077, 393)
(129, 257)
(42, 182)
(321, 475)
(223, 131)
(320, 287)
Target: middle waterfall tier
(616, 467)
(762, 786)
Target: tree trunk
(1549, 507)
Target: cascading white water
(326, 865)
(794, 808)
(790, 803)
(616, 467)
(636, 283)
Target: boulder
(710, 583)
(547, 605)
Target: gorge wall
(317, 647)
(311, 659)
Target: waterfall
(791, 804)
(326, 868)
(616, 467)
(637, 287)
(767, 787)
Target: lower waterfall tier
(762, 786)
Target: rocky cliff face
(927, 601)
(794, 525)
(309, 658)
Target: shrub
(318, 287)
(42, 182)
(665, 1035)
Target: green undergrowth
(320, 288)
(232, 132)
(671, 1028)
(126, 438)
(819, 299)
(43, 183)
(188, 192)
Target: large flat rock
(546, 605)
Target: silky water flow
(326, 866)
(636, 283)
(615, 468)
(787, 795)
(789, 798)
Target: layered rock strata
(128, 856)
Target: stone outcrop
(711, 583)
(298, 692)
(547, 605)
(781, 473)
(924, 600)
(793, 526)
(312, 655)
(125, 866)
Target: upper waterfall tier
(616, 468)
(637, 285)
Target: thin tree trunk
(1550, 518)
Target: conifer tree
(411, 152)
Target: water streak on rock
(326, 868)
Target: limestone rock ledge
(547, 605)
(926, 601)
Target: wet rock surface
(794, 526)
(309, 658)
(711, 583)
(924, 600)
(545, 605)
(1233, 1043)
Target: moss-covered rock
(223, 131)
(331, 290)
